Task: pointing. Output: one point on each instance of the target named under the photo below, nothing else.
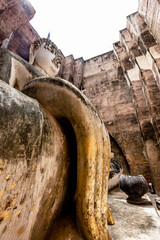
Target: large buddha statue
(54, 158)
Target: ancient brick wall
(124, 87)
(111, 94)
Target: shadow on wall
(118, 154)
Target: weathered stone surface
(68, 68)
(17, 72)
(7, 4)
(72, 70)
(110, 93)
(42, 169)
(119, 155)
(16, 33)
(21, 40)
(130, 43)
(78, 72)
(141, 29)
(132, 221)
(12, 18)
(66, 227)
(144, 91)
(34, 163)
(64, 101)
(123, 56)
(150, 9)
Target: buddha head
(45, 56)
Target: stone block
(11, 19)
(21, 40)
(7, 4)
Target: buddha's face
(45, 55)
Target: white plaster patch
(134, 73)
(149, 59)
(155, 51)
(144, 62)
(131, 27)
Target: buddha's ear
(31, 53)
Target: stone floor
(133, 222)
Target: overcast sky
(84, 28)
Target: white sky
(84, 28)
